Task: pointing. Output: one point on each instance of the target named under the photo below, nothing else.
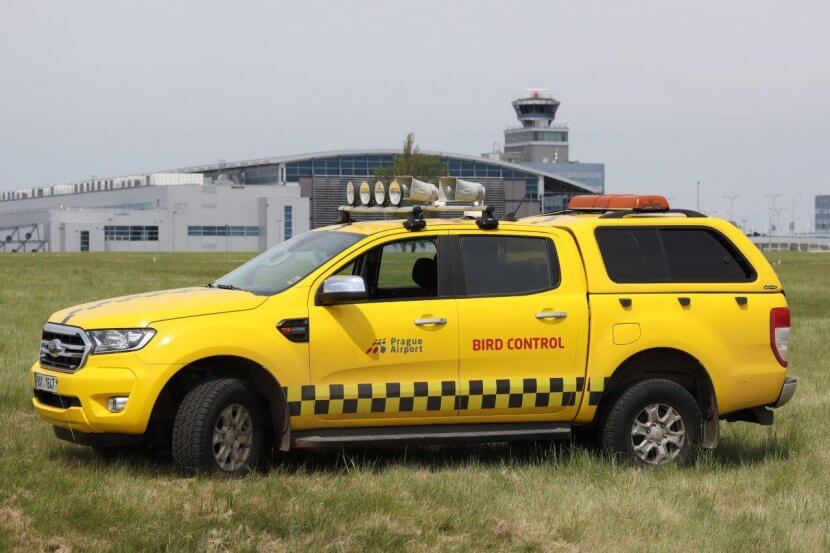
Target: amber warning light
(610, 202)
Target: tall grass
(764, 488)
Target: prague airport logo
(402, 346)
(378, 346)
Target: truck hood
(139, 310)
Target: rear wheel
(218, 428)
(654, 422)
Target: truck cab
(646, 325)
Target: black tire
(197, 417)
(618, 441)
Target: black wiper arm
(226, 286)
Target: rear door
(522, 313)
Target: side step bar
(431, 434)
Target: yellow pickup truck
(618, 314)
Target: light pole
(773, 210)
(698, 195)
(776, 213)
(794, 197)
(731, 200)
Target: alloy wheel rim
(658, 434)
(233, 437)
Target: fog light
(116, 404)
(351, 199)
(365, 193)
(380, 193)
(396, 193)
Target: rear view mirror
(340, 289)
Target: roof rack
(620, 214)
(416, 221)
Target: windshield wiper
(214, 284)
(226, 286)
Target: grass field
(763, 489)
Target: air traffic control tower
(538, 139)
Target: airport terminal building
(152, 214)
(243, 206)
(253, 205)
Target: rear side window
(633, 255)
(698, 255)
(504, 265)
(671, 254)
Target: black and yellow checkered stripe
(408, 397)
(596, 386)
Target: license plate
(46, 383)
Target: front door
(394, 358)
(523, 325)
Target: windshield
(286, 264)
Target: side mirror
(342, 289)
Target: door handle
(431, 321)
(552, 315)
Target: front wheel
(218, 428)
(654, 422)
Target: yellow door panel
(384, 361)
(372, 360)
(522, 355)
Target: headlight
(115, 340)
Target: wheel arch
(260, 380)
(672, 364)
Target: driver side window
(405, 269)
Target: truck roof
(582, 226)
(554, 220)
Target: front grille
(74, 339)
(63, 348)
(57, 400)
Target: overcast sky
(735, 94)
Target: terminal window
(288, 222)
(131, 233)
(222, 230)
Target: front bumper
(97, 439)
(787, 391)
(80, 404)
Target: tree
(412, 162)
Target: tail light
(779, 334)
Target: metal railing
(792, 243)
